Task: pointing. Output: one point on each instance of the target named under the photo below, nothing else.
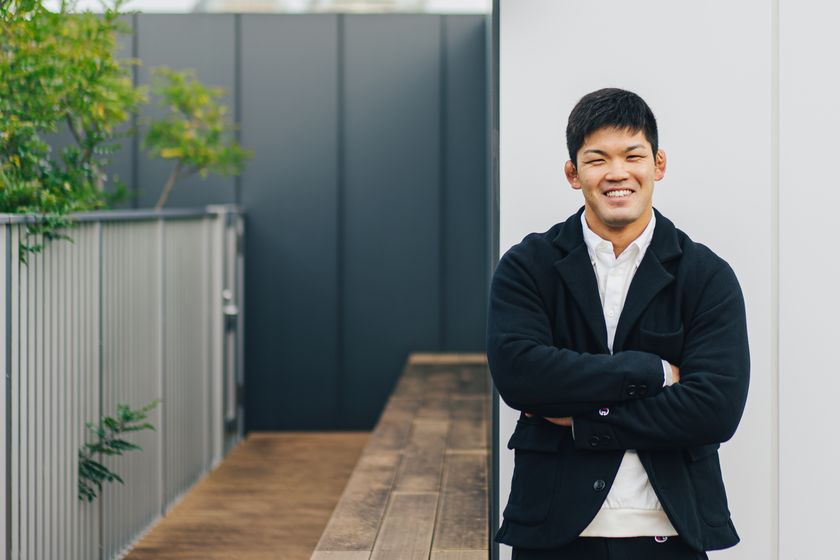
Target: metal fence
(139, 306)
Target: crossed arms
(536, 377)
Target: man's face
(616, 170)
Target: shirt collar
(594, 241)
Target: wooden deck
(269, 499)
(419, 490)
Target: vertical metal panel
(49, 440)
(90, 398)
(213, 430)
(239, 260)
(204, 42)
(160, 360)
(74, 419)
(65, 479)
(32, 465)
(91, 372)
(5, 396)
(391, 216)
(15, 384)
(130, 323)
(216, 330)
(290, 118)
(23, 425)
(466, 192)
(185, 355)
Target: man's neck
(620, 237)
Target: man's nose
(617, 171)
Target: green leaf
(111, 423)
(124, 445)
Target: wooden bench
(419, 490)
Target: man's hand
(566, 421)
(675, 373)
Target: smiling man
(624, 345)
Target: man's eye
(634, 158)
(595, 161)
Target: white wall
(809, 125)
(707, 69)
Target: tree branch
(170, 182)
(77, 135)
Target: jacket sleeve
(706, 405)
(532, 374)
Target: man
(624, 344)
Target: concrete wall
(365, 200)
(747, 114)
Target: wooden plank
(341, 555)
(419, 358)
(462, 519)
(356, 519)
(473, 381)
(460, 554)
(422, 464)
(412, 385)
(394, 426)
(468, 425)
(441, 381)
(435, 408)
(406, 532)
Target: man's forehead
(622, 138)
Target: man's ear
(571, 174)
(660, 163)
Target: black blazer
(548, 354)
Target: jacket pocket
(668, 345)
(536, 444)
(704, 472)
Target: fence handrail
(129, 215)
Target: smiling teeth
(617, 194)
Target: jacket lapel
(650, 279)
(575, 269)
(579, 277)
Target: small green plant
(108, 440)
(197, 134)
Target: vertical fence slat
(73, 395)
(16, 378)
(5, 386)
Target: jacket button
(604, 411)
(641, 390)
(605, 438)
(593, 441)
(631, 390)
(599, 485)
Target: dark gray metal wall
(366, 199)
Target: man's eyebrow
(603, 153)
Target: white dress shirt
(632, 508)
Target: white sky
(182, 6)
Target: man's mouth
(621, 193)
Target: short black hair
(609, 108)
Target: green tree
(58, 71)
(196, 134)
